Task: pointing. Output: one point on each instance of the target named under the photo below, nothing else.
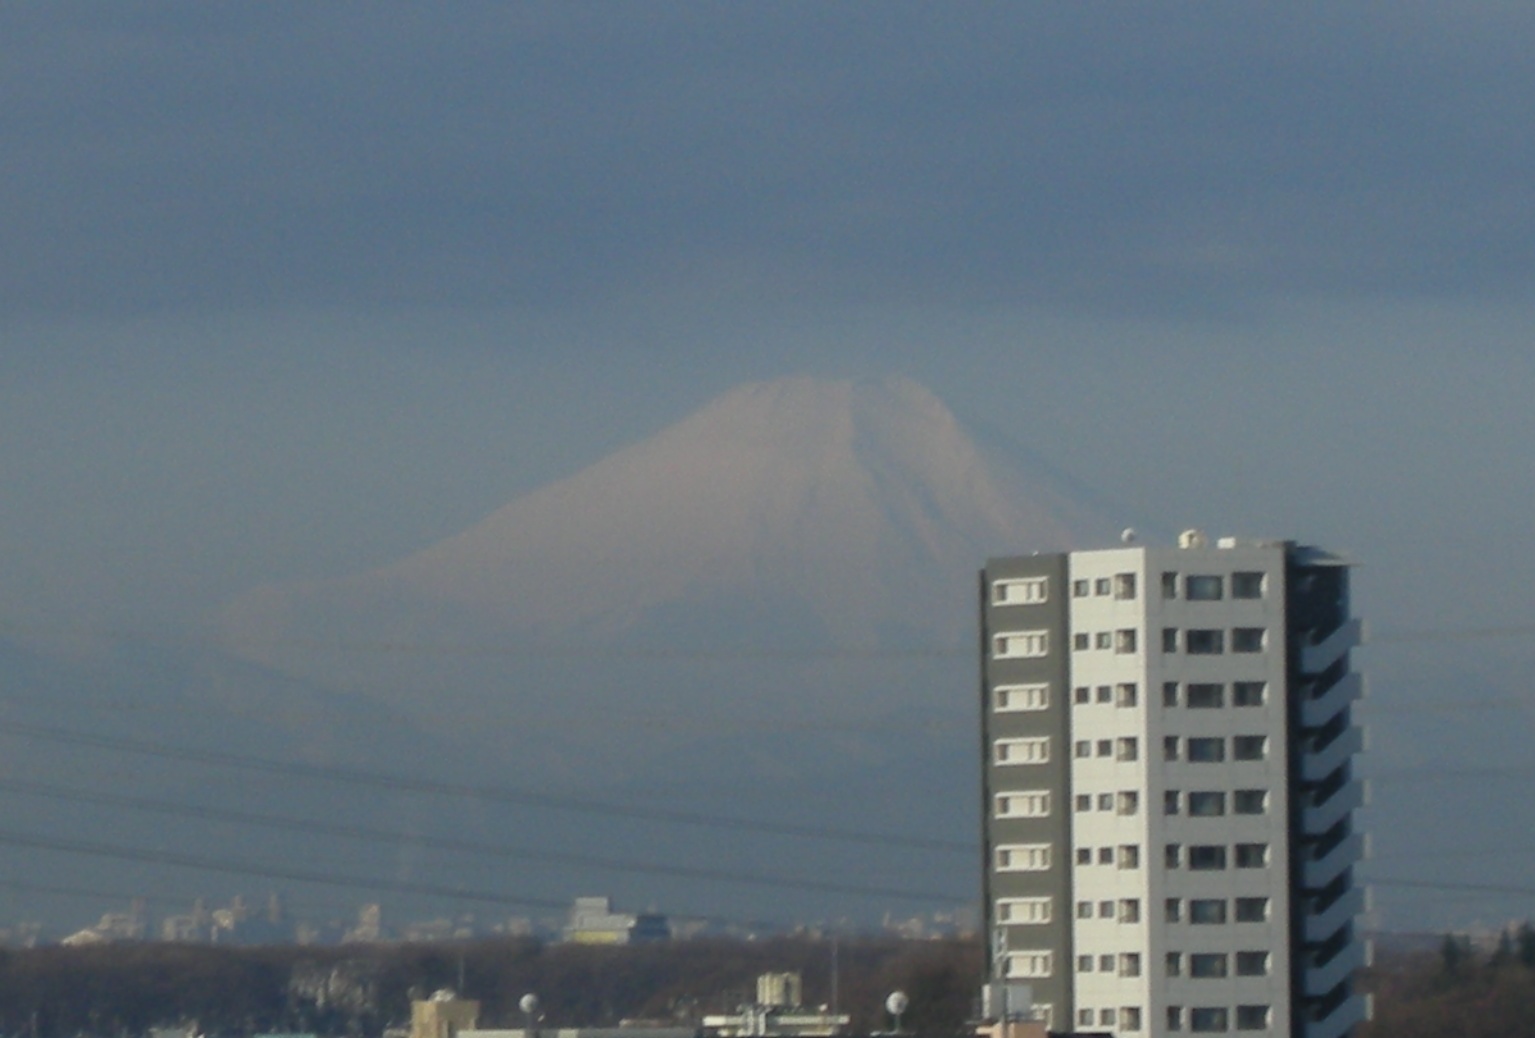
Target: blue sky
(290, 289)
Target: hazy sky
(291, 289)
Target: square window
(1085, 1017)
(1130, 910)
(1106, 1017)
(1207, 750)
(1101, 586)
(1249, 802)
(1079, 589)
(1102, 640)
(1084, 909)
(1247, 585)
(1205, 696)
(1105, 747)
(1174, 964)
(1248, 639)
(1251, 855)
(1083, 802)
(1204, 641)
(1208, 1019)
(1084, 963)
(1126, 694)
(1079, 641)
(1105, 694)
(1130, 964)
(1172, 855)
(1252, 1018)
(1169, 585)
(1105, 855)
(1124, 586)
(1202, 588)
(1169, 747)
(1252, 909)
(1172, 910)
(1252, 963)
(1249, 747)
(1207, 911)
(1249, 693)
(1127, 748)
(1105, 910)
(1175, 1018)
(1129, 803)
(1207, 856)
(1129, 856)
(1081, 694)
(1084, 855)
(1170, 801)
(1105, 801)
(1105, 964)
(1169, 693)
(1207, 965)
(1169, 639)
(1204, 804)
(1125, 640)
(1083, 748)
(1130, 1018)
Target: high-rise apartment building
(1169, 788)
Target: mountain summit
(795, 516)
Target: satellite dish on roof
(1127, 536)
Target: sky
(291, 290)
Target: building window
(1084, 963)
(1204, 696)
(1169, 693)
(1126, 748)
(1169, 585)
(1124, 586)
(1083, 748)
(1249, 747)
(1207, 856)
(1250, 802)
(1174, 964)
(1024, 911)
(1020, 645)
(1026, 591)
(1105, 694)
(1105, 801)
(1124, 640)
(1248, 639)
(1023, 857)
(1106, 1018)
(1169, 639)
(1249, 693)
(1023, 805)
(1172, 855)
(1170, 800)
(1029, 964)
(1252, 910)
(1206, 804)
(1202, 588)
(1101, 586)
(1130, 964)
(1129, 856)
(1105, 747)
(1031, 750)
(1129, 910)
(1204, 641)
(1251, 855)
(1207, 965)
(1207, 750)
(1084, 1017)
(1084, 802)
(1079, 641)
(1081, 694)
(1084, 855)
(1129, 802)
(1012, 699)
(1208, 1019)
(1044, 1012)
(1169, 747)
(1252, 963)
(1207, 911)
(1175, 1018)
(1105, 910)
(1126, 694)
(1130, 1018)
(1252, 1018)
(1105, 855)
(1084, 909)
(1105, 964)
(1079, 589)
(1102, 640)
(1247, 585)
(1172, 910)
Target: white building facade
(1169, 788)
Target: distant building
(779, 1012)
(593, 921)
(1170, 790)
